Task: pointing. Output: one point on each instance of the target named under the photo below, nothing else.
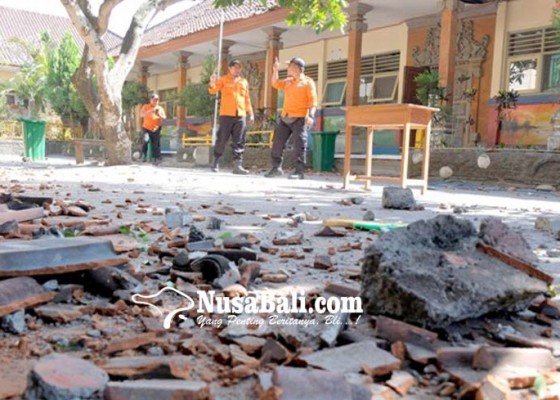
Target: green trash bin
(323, 150)
(34, 138)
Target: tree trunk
(117, 139)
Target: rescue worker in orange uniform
(298, 115)
(235, 108)
(153, 115)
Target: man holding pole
(298, 115)
(153, 115)
(235, 107)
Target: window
(334, 93)
(533, 61)
(384, 87)
(380, 78)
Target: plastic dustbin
(323, 150)
(34, 138)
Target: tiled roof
(200, 17)
(27, 26)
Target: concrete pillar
(182, 66)
(356, 27)
(144, 72)
(447, 44)
(273, 46)
(226, 45)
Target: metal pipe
(221, 36)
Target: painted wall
(516, 15)
(529, 124)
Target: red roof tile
(201, 17)
(27, 26)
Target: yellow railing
(263, 140)
(10, 129)
(13, 129)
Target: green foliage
(29, 84)
(539, 386)
(319, 15)
(60, 91)
(427, 87)
(556, 18)
(505, 100)
(137, 233)
(195, 96)
(134, 93)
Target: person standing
(235, 108)
(153, 115)
(298, 115)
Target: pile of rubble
(80, 320)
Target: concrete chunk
(161, 389)
(398, 198)
(354, 357)
(60, 377)
(55, 255)
(430, 273)
(299, 383)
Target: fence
(12, 129)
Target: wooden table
(389, 116)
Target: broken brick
(250, 344)
(59, 312)
(494, 388)
(275, 352)
(239, 357)
(133, 342)
(489, 358)
(19, 293)
(322, 262)
(401, 382)
(394, 330)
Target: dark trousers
(282, 133)
(233, 127)
(155, 138)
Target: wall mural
(527, 125)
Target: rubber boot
(216, 164)
(238, 169)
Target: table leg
(347, 156)
(426, 158)
(369, 150)
(404, 155)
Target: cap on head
(234, 62)
(154, 96)
(297, 61)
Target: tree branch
(105, 12)
(78, 12)
(133, 37)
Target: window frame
(342, 96)
(395, 74)
(538, 84)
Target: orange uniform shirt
(300, 95)
(152, 121)
(235, 100)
